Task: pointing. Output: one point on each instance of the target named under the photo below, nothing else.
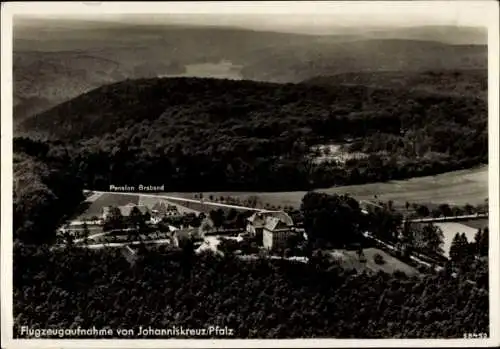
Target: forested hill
(242, 108)
(250, 135)
(467, 82)
(56, 60)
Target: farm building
(164, 209)
(258, 220)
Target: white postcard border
(489, 11)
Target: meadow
(454, 188)
(476, 223)
(450, 229)
(120, 199)
(350, 260)
(95, 207)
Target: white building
(271, 227)
(257, 221)
(275, 233)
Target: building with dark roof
(270, 227)
(165, 209)
(275, 233)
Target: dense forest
(205, 134)
(45, 191)
(79, 287)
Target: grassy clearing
(350, 260)
(450, 229)
(119, 199)
(476, 223)
(95, 208)
(454, 188)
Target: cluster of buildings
(157, 212)
(271, 229)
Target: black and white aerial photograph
(250, 170)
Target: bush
(423, 269)
(378, 259)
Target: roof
(258, 219)
(275, 223)
(127, 209)
(207, 224)
(164, 207)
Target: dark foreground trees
(332, 219)
(45, 191)
(260, 299)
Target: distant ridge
(55, 61)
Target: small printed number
(474, 335)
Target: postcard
(250, 174)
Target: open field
(119, 199)
(455, 188)
(476, 223)
(95, 208)
(350, 260)
(147, 199)
(450, 229)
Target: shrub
(378, 259)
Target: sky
(303, 17)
